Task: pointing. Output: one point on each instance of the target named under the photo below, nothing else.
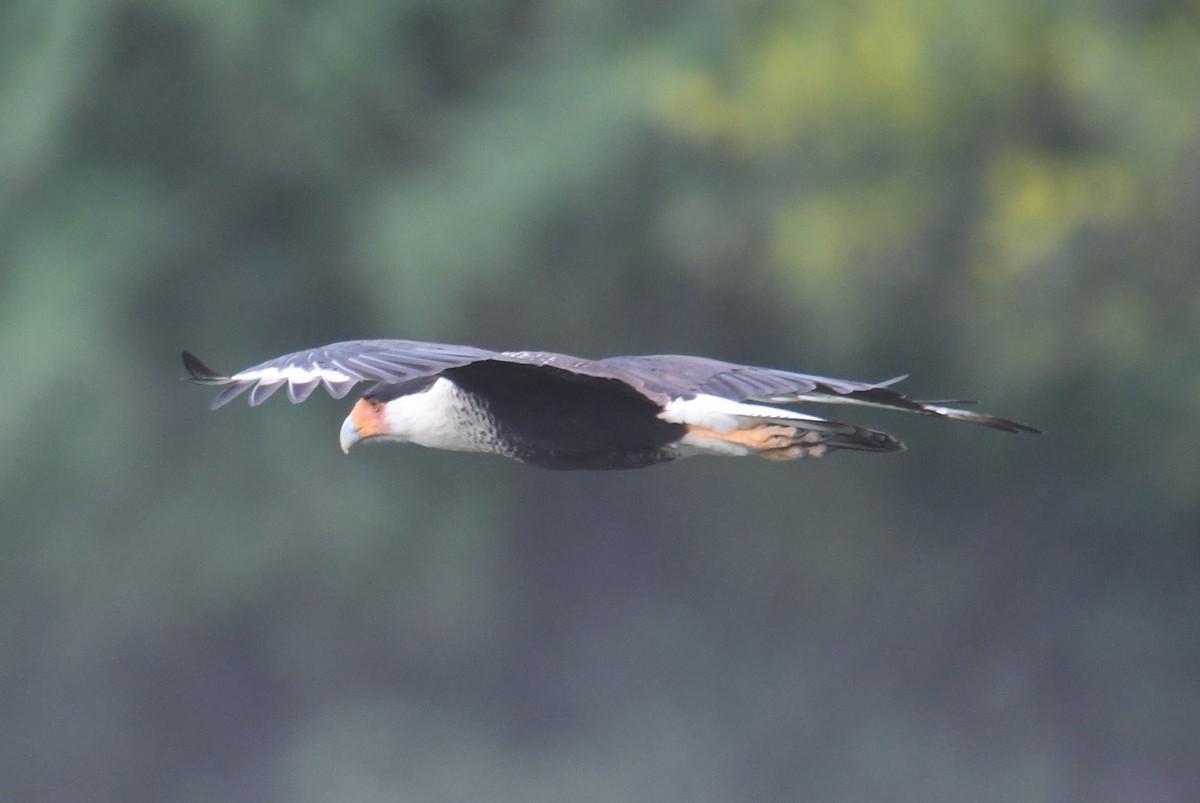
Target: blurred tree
(996, 172)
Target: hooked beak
(365, 421)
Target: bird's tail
(884, 396)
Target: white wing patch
(724, 415)
(300, 381)
(295, 374)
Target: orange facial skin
(365, 421)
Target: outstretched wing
(338, 366)
(671, 376)
(341, 366)
(661, 377)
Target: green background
(1000, 197)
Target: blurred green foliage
(1001, 197)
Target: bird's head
(368, 419)
(422, 412)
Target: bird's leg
(793, 452)
(779, 455)
(772, 441)
(757, 437)
(777, 443)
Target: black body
(557, 419)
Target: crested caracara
(564, 412)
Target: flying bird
(564, 412)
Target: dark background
(999, 197)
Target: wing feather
(679, 376)
(338, 367)
(662, 378)
(229, 394)
(299, 391)
(264, 390)
(338, 390)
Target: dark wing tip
(869, 440)
(881, 395)
(200, 373)
(1008, 425)
(990, 421)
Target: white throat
(440, 417)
